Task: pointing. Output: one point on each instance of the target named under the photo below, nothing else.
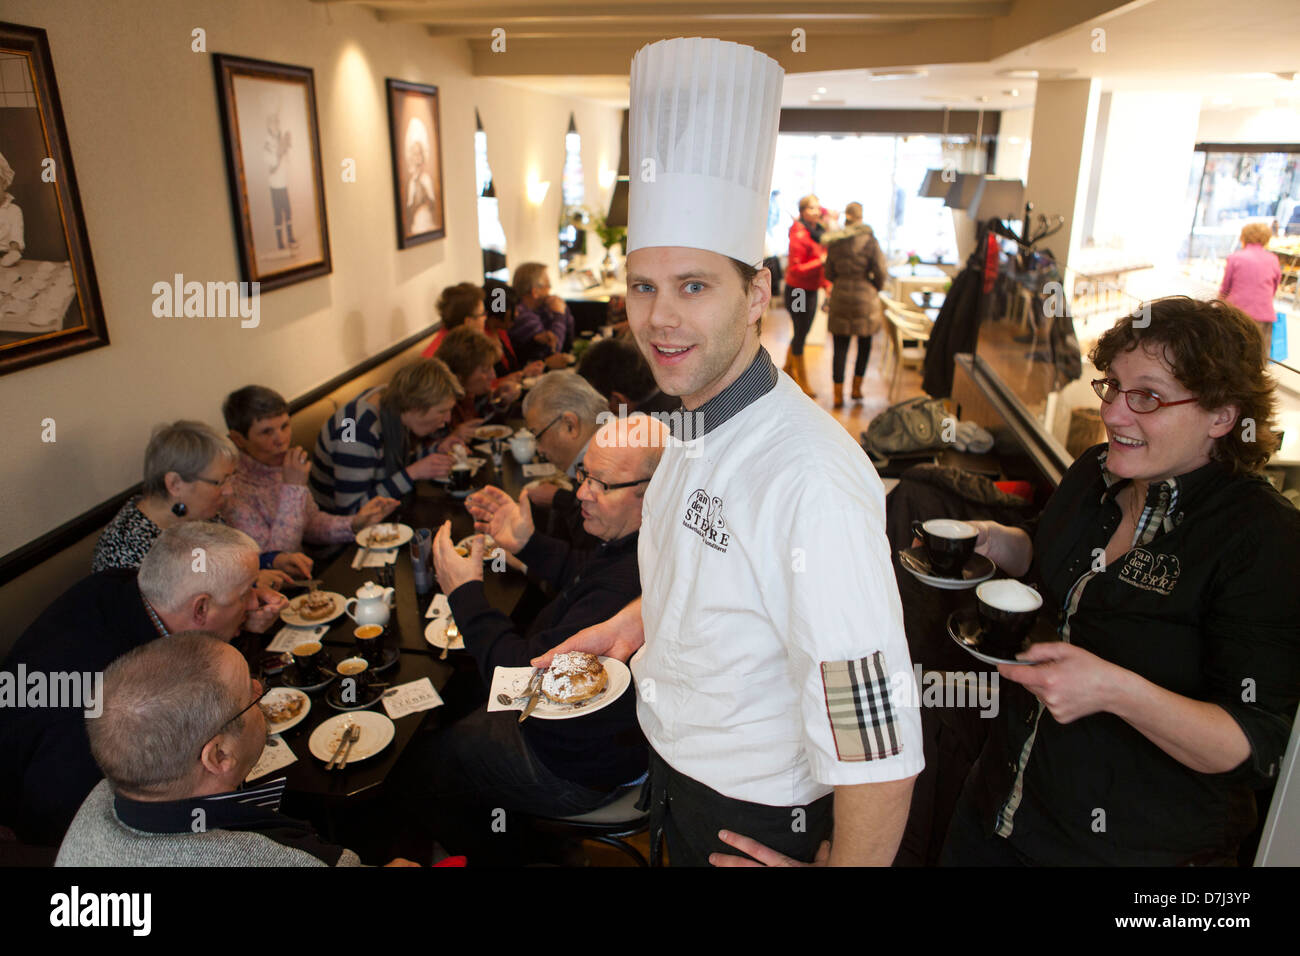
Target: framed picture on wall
(49, 298)
(416, 141)
(273, 162)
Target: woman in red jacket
(803, 279)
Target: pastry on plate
(314, 606)
(574, 677)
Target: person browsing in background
(1170, 695)
(371, 446)
(543, 326)
(269, 499)
(1250, 280)
(180, 730)
(45, 765)
(549, 768)
(188, 476)
(803, 280)
(857, 268)
(770, 627)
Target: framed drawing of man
(416, 141)
(49, 297)
(273, 162)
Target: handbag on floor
(906, 428)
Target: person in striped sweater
(371, 446)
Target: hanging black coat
(957, 327)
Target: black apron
(689, 815)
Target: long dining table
(316, 793)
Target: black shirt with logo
(1206, 605)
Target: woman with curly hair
(1170, 563)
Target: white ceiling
(1227, 53)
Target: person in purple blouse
(1250, 280)
(543, 323)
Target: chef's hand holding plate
(451, 569)
(1070, 681)
(620, 637)
(765, 856)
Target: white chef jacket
(763, 557)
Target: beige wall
(141, 115)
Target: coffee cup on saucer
(948, 544)
(306, 657)
(1007, 611)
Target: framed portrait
(49, 298)
(273, 162)
(416, 141)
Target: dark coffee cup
(460, 478)
(1007, 611)
(948, 544)
(306, 656)
(370, 642)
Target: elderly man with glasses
(179, 732)
(541, 767)
(197, 576)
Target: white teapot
(523, 446)
(372, 603)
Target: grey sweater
(98, 838)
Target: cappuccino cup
(948, 544)
(1007, 611)
(355, 669)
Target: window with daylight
(879, 170)
(491, 237)
(573, 235)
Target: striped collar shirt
(755, 382)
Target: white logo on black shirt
(1150, 572)
(704, 517)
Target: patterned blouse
(126, 540)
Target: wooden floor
(853, 416)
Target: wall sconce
(606, 177)
(537, 191)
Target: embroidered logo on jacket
(704, 517)
(1150, 572)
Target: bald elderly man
(180, 731)
(549, 768)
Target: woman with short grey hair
(187, 472)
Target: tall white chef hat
(703, 125)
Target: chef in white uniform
(769, 635)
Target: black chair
(611, 825)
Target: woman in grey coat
(857, 267)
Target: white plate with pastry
(489, 432)
(574, 687)
(312, 608)
(284, 707)
(464, 547)
(385, 537)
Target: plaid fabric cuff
(862, 718)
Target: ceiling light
(1010, 92)
(821, 89)
(897, 74)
